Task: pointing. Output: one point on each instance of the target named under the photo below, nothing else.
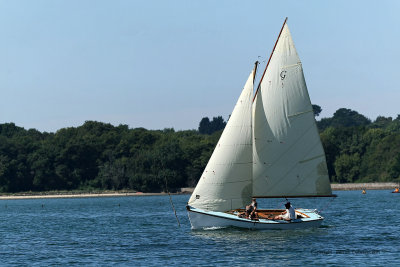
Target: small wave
(326, 226)
(212, 228)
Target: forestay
(226, 182)
(288, 156)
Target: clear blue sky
(159, 64)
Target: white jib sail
(288, 157)
(226, 181)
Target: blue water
(358, 229)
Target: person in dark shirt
(251, 210)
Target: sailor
(288, 214)
(251, 212)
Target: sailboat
(270, 148)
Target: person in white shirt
(288, 214)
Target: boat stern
(308, 214)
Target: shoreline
(184, 191)
(366, 186)
(78, 195)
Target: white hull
(201, 219)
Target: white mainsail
(226, 182)
(288, 157)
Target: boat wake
(213, 228)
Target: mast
(255, 71)
(259, 84)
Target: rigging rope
(326, 206)
(170, 200)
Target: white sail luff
(288, 157)
(226, 182)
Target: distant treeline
(100, 156)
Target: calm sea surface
(358, 229)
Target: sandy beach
(188, 190)
(77, 195)
(349, 186)
(366, 186)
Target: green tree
(317, 110)
(209, 127)
(344, 117)
(347, 168)
(204, 126)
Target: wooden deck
(268, 214)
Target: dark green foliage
(100, 156)
(209, 127)
(317, 110)
(343, 117)
(358, 150)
